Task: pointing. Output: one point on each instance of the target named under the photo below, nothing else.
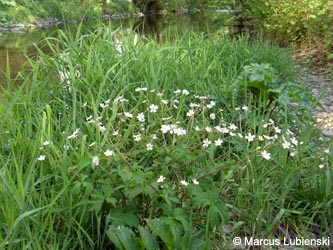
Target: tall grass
(149, 147)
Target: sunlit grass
(150, 147)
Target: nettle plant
(151, 168)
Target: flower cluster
(184, 120)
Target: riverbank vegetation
(12, 11)
(185, 144)
(306, 24)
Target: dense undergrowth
(306, 24)
(140, 145)
(12, 12)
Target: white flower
(165, 128)
(89, 119)
(211, 104)
(161, 179)
(249, 137)
(218, 142)
(95, 160)
(154, 137)
(277, 130)
(115, 133)
(140, 89)
(137, 137)
(185, 92)
(123, 100)
(327, 151)
(286, 144)
(266, 155)
(153, 108)
(194, 105)
(195, 182)
(184, 183)
(245, 108)
(104, 105)
(321, 166)
(149, 146)
(200, 97)
(289, 132)
(41, 158)
(174, 103)
(218, 128)
(165, 102)
(206, 143)
(108, 153)
(166, 118)
(292, 154)
(224, 130)
(178, 91)
(141, 117)
(127, 114)
(294, 141)
(232, 127)
(209, 129)
(197, 128)
(267, 137)
(237, 108)
(212, 116)
(190, 113)
(74, 135)
(101, 127)
(179, 131)
(46, 143)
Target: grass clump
(112, 144)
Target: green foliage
(261, 79)
(7, 3)
(306, 22)
(264, 83)
(108, 145)
(31, 11)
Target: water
(15, 47)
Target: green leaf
(217, 210)
(123, 238)
(124, 217)
(149, 240)
(163, 231)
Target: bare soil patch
(321, 86)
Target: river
(16, 46)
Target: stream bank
(321, 87)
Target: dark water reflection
(14, 48)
